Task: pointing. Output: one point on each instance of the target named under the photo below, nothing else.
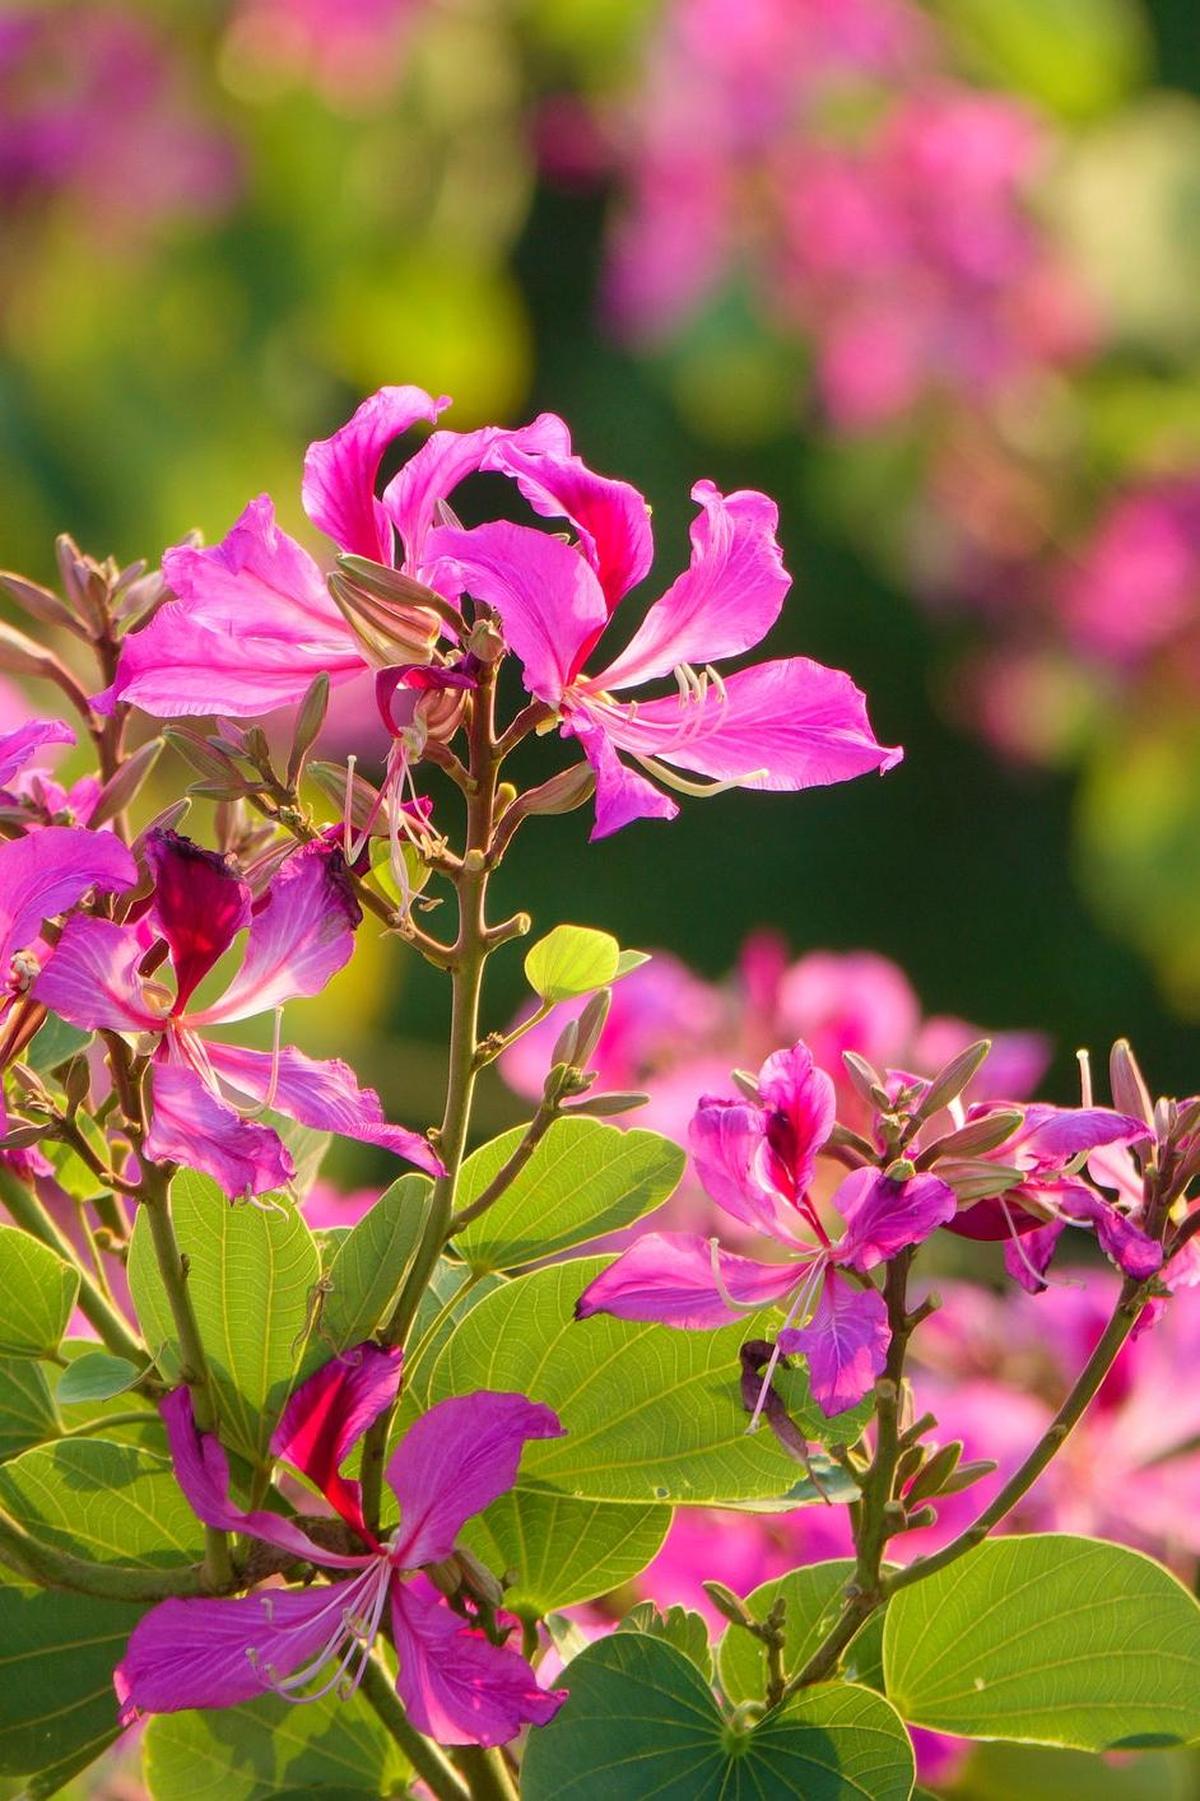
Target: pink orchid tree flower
(756, 1160)
(457, 1685)
(1048, 1151)
(300, 933)
(782, 725)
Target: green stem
(434, 1769)
(472, 947)
(1128, 1310)
(536, 1130)
(156, 1200)
(50, 1568)
(105, 1422)
(27, 1210)
(870, 1588)
(487, 1773)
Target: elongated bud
(204, 755)
(603, 1106)
(953, 1077)
(975, 1138)
(19, 1138)
(564, 1045)
(20, 655)
(975, 1179)
(966, 1474)
(729, 1605)
(309, 721)
(909, 1464)
(77, 1082)
(366, 809)
(395, 619)
(864, 1079)
(746, 1084)
(1129, 1092)
(937, 1472)
(591, 1024)
(569, 789)
(123, 788)
(40, 603)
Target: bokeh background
(926, 273)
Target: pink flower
(301, 932)
(756, 1160)
(783, 725)
(457, 1686)
(1136, 585)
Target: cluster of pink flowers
(96, 109)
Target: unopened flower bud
(591, 1024)
(953, 1077)
(1129, 1092)
(391, 616)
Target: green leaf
(252, 1273)
(57, 1656)
(54, 1045)
(1050, 1639)
(107, 1502)
(583, 1179)
(269, 1747)
(562, 1550)
(678, 1626)
(28, 1415)
(1077, 57)
(39, 1291)
(570, 961)
(369, 1266)
(628, 961)
(651, 1414)
(641, 1721)
(1003, 1772)
(97, 1376)
(814, 1597)
(147, 1430)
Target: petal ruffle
(456, 1686)
(785, 725)
(190, 1125)
(329, 1413)
(1052, 1136)
(885, 1217)
(445, 459)
(48, 871)
(724, 603)
(200, 906)
(16, 747)
(301, 934)
(454, 1462)
(622, 794)
(728, 1143)
(669, 1277)
(324, 1095)
(340, 472)
(802, 1104)
(550, 603)
(252, 625)
(91, 978)
(845, 1344)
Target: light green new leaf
(267, 1748)
(651, 1414)
(641, 1721)
(252, 1276)
(370, 1264)
(28, 1415)
(55, 1044)
(106, 1502)
(564, 1551)
(678, 1626)
(96, 1376)
(1049, 1639)
(39, 1291)
(584, 1178)
(57, 1656)
(814, 1597)
(571, 961)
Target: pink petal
(1028, 1261)
(324, 1095)
(668, 1277)
(447, 458)
(45, 873)
(1133, 1251)
(218, 1653)
(845, 1344)
(802, 1104)
(329, 1413)
(91, 978)
(611, 517)
(550, 604)
(18, 746)
(785, 725)
(728, 1142)
(456, 1686)
(727, 600)
(252, 625)
(1052, 1136)
(885, 1217)
(454, 1462)
(192, 1127)
(200, 906)
(622, 794)
(340, 472)
(301, 934)
(202, 1471)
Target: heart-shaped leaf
(570, 961)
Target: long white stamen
(1084, 1060)
(698, 790)
(348, 810)
(800, 1301)
(1043, 1278)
